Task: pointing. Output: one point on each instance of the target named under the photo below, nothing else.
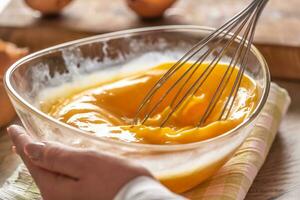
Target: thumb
(56, 158)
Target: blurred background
(277, 36)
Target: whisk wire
(249, 16)
(188, 56)
(205, 74)
(198, 62)
(221, 87)
(244, 59)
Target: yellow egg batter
(108, 110)
(112, 105)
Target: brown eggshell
(150, 8)
(9, 54)
(48, 7)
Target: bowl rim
(159, 147)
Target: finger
(53, 157)
(47, 182)
(56, 158)
(19, 139)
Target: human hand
(66, 173)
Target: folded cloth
(232, 181)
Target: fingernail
(35, 151)
(11, 129)
(14, 149)
(8, 129)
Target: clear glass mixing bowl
(180, 167)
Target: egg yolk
(109, 109)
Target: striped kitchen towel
(234, 179)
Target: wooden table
(279, 178)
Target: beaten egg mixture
(108, 109)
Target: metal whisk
(244, 24)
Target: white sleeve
(145, 188)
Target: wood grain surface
(277, 34)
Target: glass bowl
(56, 70)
